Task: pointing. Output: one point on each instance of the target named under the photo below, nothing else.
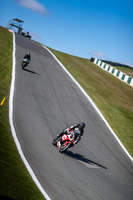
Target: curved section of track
(46, 100)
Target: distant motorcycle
(25, 62)
(64, 142)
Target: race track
(46, 100)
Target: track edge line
(13, 128)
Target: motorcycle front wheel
(55, 140)
(24, 65)
(64, 148)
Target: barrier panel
(115, 72)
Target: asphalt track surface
(46, 100)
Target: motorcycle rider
(77, 129)
(27, 56)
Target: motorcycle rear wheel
(64, 148)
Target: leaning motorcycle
(64, 142)
(24, 62)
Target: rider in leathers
(27, 56)
(77, 129)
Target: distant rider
(27, 56)
(77, 129)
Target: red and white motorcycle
(64, 142)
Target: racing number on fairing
(64, 137)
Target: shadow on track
(83, 160)
(31, 71)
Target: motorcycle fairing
(65, 137)
(58, 144)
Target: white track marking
(90, 100)
(13, 129)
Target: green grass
(113, 97)
(15, 181)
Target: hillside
(113, 97)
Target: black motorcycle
(25, 62)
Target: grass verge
(113, 97)
(15, 181)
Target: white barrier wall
(115, 72)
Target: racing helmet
(81, 126)
(28, 53)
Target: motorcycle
(25, 62)
(64, 142)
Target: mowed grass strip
(113, 97)
(15, 181)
